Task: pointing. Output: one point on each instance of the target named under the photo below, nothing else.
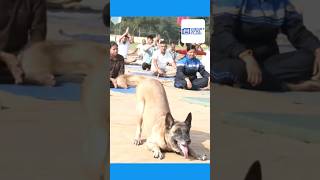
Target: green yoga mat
(204, 101)
(305, 128)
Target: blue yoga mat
(151, 74)
(65, 91)
(133, 66)
(87, 37)
(129, 90)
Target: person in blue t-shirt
(187, 68)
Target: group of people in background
(155, 56)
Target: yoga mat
(130, 90)
(301, 127)
(65, 91)
(131, 66)
(86, 37)
(146, 73)
(151, 75)
(204, 101)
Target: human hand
(189, 84)
(160, 72)
(158, 37)
(114, 82)
(13, 65)
(254, 75)
(316, 66)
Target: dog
(166, 134)
(41, 62)
(254, 172)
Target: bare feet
(310, 85)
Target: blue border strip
(160, 8)
(160, 171)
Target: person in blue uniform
(246, 52)
(187, 68)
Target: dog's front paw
(202, 157)
(158, 154)
(137, 142)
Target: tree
(143, 26)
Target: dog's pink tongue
(185, 150)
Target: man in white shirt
(149, 49)
(123, 44)
(160, 60)
(140, 49)
(172, 51)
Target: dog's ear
(169, 120)
(188, 120)
(254, 172)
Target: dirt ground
(46, 139)
(285, 151)
(123, 125)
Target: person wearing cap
(246, 52)
(187, 69)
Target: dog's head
(122, 81)
(179, 134)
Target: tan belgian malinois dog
(42, 61)
(166, 134)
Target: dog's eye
(177, 131)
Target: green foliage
(143, 26)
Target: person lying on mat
(21, 23)
(187, 69)
(116, 64)
(246, 52)
(160, 59)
